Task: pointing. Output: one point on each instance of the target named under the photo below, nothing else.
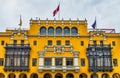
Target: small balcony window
(69, 62)
(34, 62)
(15, 42)
(35, 43)
(47, 62)
(113, 43)
(115, 62)
(58, 42)
(2, 42)
(1, 61)
(67, 42)
(22, 42)
(82, 62)
(58, 62)
(82, 43)
(49, 42)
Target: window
(66, 31)
(47, 62)
(101, 43)
(74, 30)
(15, 42)
(51, 31)
(58, 30)
(95, 43)
(22, 42)
(34, 62)
(2, 42)
(49, 42)
(82, 62)
(58, 42)
(35, 42)
(43, 31)
(1, 62)
(58, 62)
(115, 62)
(67, 42)
(82, 43)
(113, 43)
(69, 62)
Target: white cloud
(106, 11)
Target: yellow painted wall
(74, 41)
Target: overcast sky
(107, 12)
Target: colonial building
(59, 49)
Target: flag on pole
(20, 24)
(56, 10)
(94, 24)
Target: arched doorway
(47, 76)
(34, 75)
(83, 75)
(2, 75)
(11, 75)
(105, 76)
(116, 75)
(58, 75)
(69, 75)
(92, 76)
(22, 76)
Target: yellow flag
(20, 24)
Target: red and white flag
(56, 10)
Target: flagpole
(96, 22)
(59, 12)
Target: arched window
(2, 75)
(34, 75)
(83, 75)
(47, 76)
(11, 75)
(58, 75)
(69, 75)
(116, 75)
(58, 30)
(105, 76)
(50, 30)
(43, 30)
(66, 30)
(92, 76)
(22, 76)
(74, 30)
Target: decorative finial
(20, 24)
(31, 19)
(85, 19)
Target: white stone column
(41, 61)
(75, 61)
(64, 61)
(64, 64)
(53, 64)
(76, 66)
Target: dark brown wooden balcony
(16, 68)
(101, 68)
(23, 46)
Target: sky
(107, 12)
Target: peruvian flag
(56, 10)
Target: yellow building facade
(59, 49)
